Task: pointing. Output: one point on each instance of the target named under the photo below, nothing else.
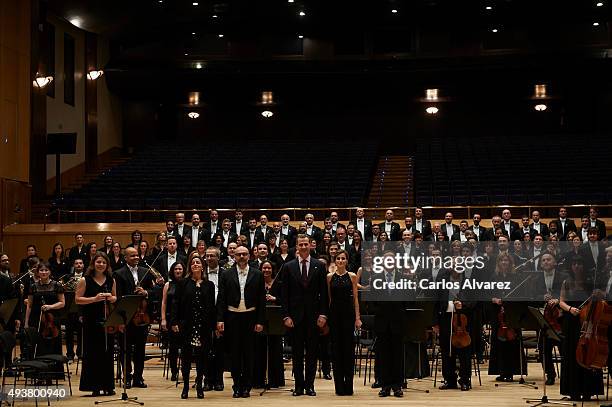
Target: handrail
(409, 209)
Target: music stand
(6, 312)
(122, 315)
(273, 326)
(418, 324)
(550, 333)
(514, 313)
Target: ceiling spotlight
(488, 8)
(41, 81)
(300, 36)
(94, 74)
(267, 97)
(195, 3)
(540, 107)
(76, 21)
(214, 16)
(432, 110)
(595, 24)
(193, 33)
(302, 13)
(394, 11)
(494, 30)
(186, 54)
(267, 114)
(160, 1)
(198, 66)
(290, 1)
(193, 115)
(431, 94)
(220, 36)
(599, 4)
(539, 91)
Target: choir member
(58, 262)
(216, 360)
(178, 271)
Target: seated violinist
(451, 316)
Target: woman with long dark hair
(136, 238)
(194, 319)
(58, 262)
(108, 245)
(284, 255)
(92, 249)
(94, 293)
(116, 257)
(177, 272)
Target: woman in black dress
(136, 238)
(45, 295)
(92, 249)
(108, 245)
(276, 371)
(143, 254)
(176, 274)
(577, 382)
(283, 256)
(505, 354)
(58, 262)
(344, 319)
(194, 319)
(116, 257)
(94, 293)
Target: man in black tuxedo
(262, 255)
(463, 227)
(508, 225)
(241, 303)
(127, 279)
(389, 325)
(407, 246)
(78, 251)
(520, 233)
(496, 223)
(304, 307)
(343, 244)
(334, 220)
(226, 233)
(195, 231)
(239, 227)
(538, 226)
(263, 227)
(449, 228)
(421, 224)
(408, 225)
(478, 230)
(547, 287)
(179, 228)
(289, 231)
(170, 256)
(599, 224)
(276, 231)
(593, 253)
(312, 230)
(215, 366)
(363, 225)
(328, 227)
(214, 226)
(564, 224)
(170, 230)
(253, 234)
(392, 228)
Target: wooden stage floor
(163, 393)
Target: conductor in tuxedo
(241, 302)
(305, 306)
(132, 279)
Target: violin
(592, 348)
(504, 333)
(552, 313)
(47, 327)
(460, 337)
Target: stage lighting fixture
(488, 8)
(595, 24)
(494, 30)
(267, 114)
(220, 35)
(432, 110)
(198, 66)
(431, 94)
(300, 36)
(394, 11)
(195, 3)
(42, 81)
(599, 4)
(539, 91)
(94, 74)
(267, 98)
(193, 115)
(540, 107)
(302, 13)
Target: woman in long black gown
(94, 293)
(577, 382)
(194, 318)
(45, 295)
(276, 371)
(344, 318)
(177, 272)
(505, 358)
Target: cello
(592, 348)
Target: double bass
(592, 348)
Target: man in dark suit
(599, 224)
(463, 227)
(363, 225)
(478, 230)
(195, 231)
(241, 303)
(547, 288)
(262, 255)
(538, 226)
(593, 253)
(406, 246)
(263, 227)
(305, 307)
(179, 228)
(239, 227)
(215, 366)
(226, 233)
(289, 231)
(448, 227)
(253, 234)
(520, 233)
(78, 251)
(392, 228)
(343, 244)
(421, 224)
(169, 257)
(408, 225)
(132, 279)
(564, 224)
(389, 325)
(334, 220)
(313, 230)
(507, 223)
(328, 228)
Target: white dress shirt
(134, 271)
(213, 275)
(449, 229)
(361, 226)
(548, 279)
(242, 278)
(195, 234)
(418, 225)
(171, 260)
(238, 227)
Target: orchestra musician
(133, 279)
(94, 293)
(178, 271)
(73, 325)
(7, 292)
(193, 319)
(216, 361)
